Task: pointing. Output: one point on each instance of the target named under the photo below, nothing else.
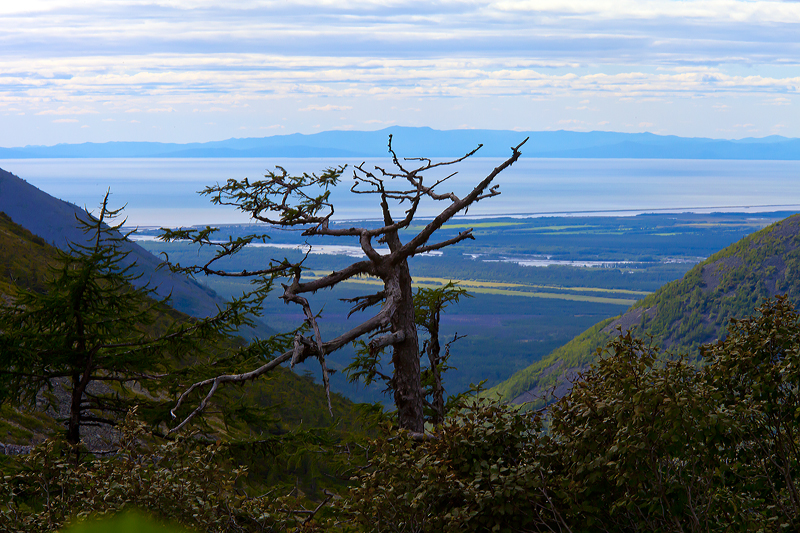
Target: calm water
(163, 192)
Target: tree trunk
(405, 356)
(434, 358)
(74, 423)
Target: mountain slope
(684, 314)
(296, 401)
(54, 221)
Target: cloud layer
(705, 67)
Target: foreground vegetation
(645, 441)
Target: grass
(498, 224)
(512, 289)
(561, 228)
(755, 224)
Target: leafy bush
(479, 471)
(184, 481)
(645, 441)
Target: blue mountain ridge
(423, 141)
(55, 221)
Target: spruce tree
(92, 334)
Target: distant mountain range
(681, 315)
(427, 142)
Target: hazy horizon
(744, 137)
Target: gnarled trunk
(405, 354)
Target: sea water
(164, 191)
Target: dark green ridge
(681, 315)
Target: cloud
(645, 124)
(64, 110)
(204, 56)
(64, 120)
(327, 107)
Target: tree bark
(74, 423)
(434, 358)
(405, 355)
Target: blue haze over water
(163, 192)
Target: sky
(195, 70)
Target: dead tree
(288, 202)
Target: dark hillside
(683, 314)
(54, 221)
(23, 257)
(295, 401)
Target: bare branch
(363, 302)
(464, 235)
(375, 322)
(378, 343)
(422, 237)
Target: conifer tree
(90, 333)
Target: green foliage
(479, 471)
(186, 481)
(756, 373)
(645, 441)
(642, 442)
(91, 332)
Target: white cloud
(327, 107)
(63, 120)
(64, 58)
(64, 110)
